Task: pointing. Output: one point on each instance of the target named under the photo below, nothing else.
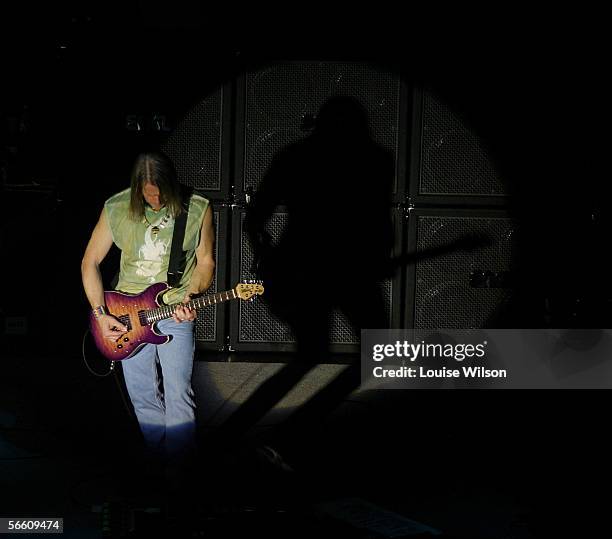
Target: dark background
(529, 84)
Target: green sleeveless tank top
(145, 254)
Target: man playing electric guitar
(140, 221)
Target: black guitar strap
(176, 265)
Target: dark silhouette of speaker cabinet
(254, 328)
(470, 282)
(450, 162)
(278, 105)
(200, 144)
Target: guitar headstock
(249, 289)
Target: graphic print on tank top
(153, 250)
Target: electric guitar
(140, 312)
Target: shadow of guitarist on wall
(336, 187)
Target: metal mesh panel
(253, 314)
(443, 295)
(454, 160)
(259, 325)
(206, 322)
(279, 97)
(195, 145)
(340, 329)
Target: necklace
(162, 224)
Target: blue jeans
(166, 417)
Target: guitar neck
(166, 311)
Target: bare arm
(99, 244)
(204, 271)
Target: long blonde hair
(158, 169)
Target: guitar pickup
(142, 318)
(125, 320)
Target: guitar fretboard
(161, 313)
